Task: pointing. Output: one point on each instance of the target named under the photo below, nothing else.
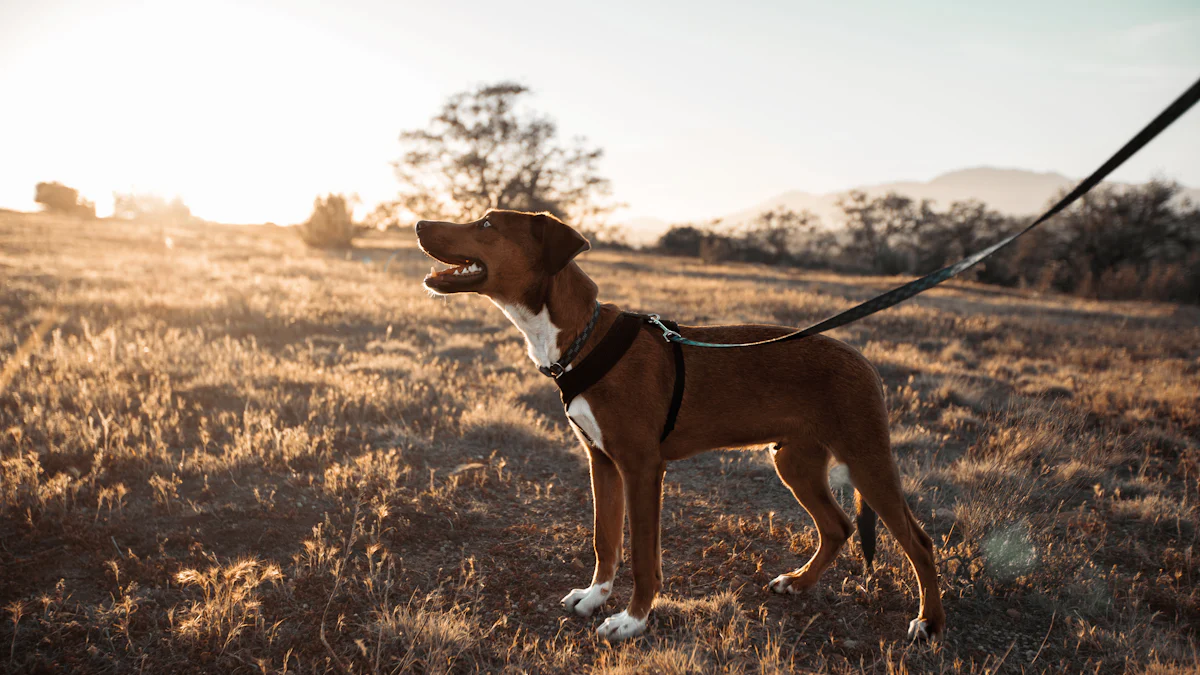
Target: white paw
(783, 584)
(621, 627)
(918, 630)
(584, 601)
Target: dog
(816, 399)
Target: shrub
(715, 248)
(777, 237)
(331, 224)
(58, 198)
(681, 240)
(151, 207)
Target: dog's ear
(560, 243)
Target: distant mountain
(1010, 191)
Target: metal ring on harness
(668, 334)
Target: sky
(248, 110)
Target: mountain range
(1015, 192)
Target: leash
(902, 293)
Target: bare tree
(885, 231)
(780, 232)
(954, 234)
(481, 151)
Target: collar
(559, 367)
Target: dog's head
(506, 255)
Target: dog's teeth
(432, 270)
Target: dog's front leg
(608, 500)
(643, 501)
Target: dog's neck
(566, 308)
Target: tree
(331, 224)
(885, 231)
(482, 152)
(965, 228)
(1117, 237)
(58, 198)
(779, 233)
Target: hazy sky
(250, 109)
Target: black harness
(607, 353)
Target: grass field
(224, 452)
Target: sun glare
(229, 107)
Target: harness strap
(600, 360)
(677, 393)
(608, 352)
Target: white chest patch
(580, 415)
(541, 335)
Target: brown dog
(815, 398)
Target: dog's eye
(486, 223)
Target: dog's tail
(865, 519)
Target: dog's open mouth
(460, 272)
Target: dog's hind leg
(804, 468)
(608, 500)
(879, 483)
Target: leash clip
(555, 370)
(668, 334)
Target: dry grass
(234, 454)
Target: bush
(776, 237)
(331, 224)
(681, 240)
(147, 207)
(58, 198)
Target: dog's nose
(421, 223)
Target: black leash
(902, 293)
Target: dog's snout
(421, 224)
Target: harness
(606, 354)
